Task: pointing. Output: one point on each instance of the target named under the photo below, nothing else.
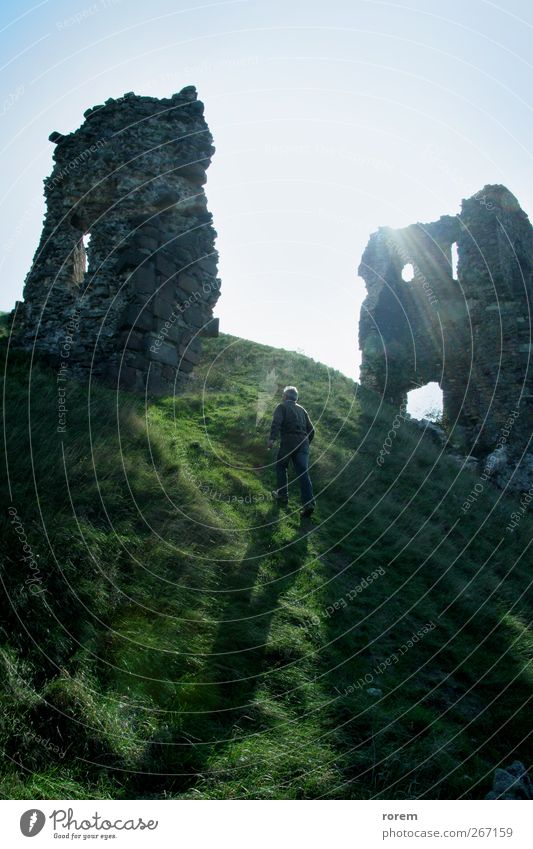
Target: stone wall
(472, 334)
(129, 310)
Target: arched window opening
(426, 402)
(408, 272)
(454, 260)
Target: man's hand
(270, 444)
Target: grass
(172, 634)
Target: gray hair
(291, 392)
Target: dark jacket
(292, 423)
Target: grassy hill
(169, 632)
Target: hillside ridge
(164, 638)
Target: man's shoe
(305, 512)
(279, 498)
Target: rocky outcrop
(130, 308)
(469, 331)
(512, 782)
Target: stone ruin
(469, 331)
(511, 783)
(130, 306)
(124, 280)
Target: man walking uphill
(293, 425)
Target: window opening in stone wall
(86, 240)
(454, 260)
(80, 259)
(426, 402)
(408, 272)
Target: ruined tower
(470, 331)
(123, 283)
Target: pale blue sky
(330, 119)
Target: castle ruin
(468, 330)
(124, 280)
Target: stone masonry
(130, 309)
(472, 333)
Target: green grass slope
(167, 631)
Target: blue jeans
(300, 461)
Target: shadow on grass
(237, 663)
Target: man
(292, 423)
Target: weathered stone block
(147, 242)
(186, 365)
(128, 377)
(163, 306)
(136, 316)
(130, 258)
(134, 341)
(190, 355)
(143, 280)
(189, 283)
(165, 266)
(210, 329)
(195, 316)
(208, 264)
(166, 353)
